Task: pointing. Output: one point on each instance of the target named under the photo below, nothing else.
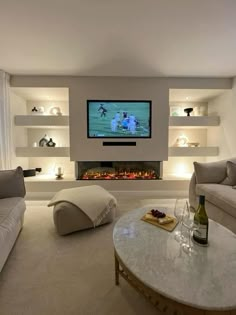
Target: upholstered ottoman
(82, 208)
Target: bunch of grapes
(158, 214)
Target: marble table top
(206, 280)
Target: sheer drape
(5, 122)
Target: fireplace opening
(128, 170)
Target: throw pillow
(211, 172)
(12, 183)
(231, 174)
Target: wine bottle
(200, 233)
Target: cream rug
(47, 274)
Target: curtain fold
(6, 137)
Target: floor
(73, 275)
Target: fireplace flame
(120, 174)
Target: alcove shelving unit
(193, 122)
(45, 122)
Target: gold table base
(163, 304)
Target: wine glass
(179, 211)
(191, 226)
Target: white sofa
(217, 182)
(12, 208)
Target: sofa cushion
(12, 183)
(223, 196)
(214, 172)
(231, 174)
(211, 172)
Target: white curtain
(6, 144)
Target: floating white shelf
(195, 121)
(42, 152)
(193, 151)
(41, 121)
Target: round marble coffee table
(152, 261)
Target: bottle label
(200, 232)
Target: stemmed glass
(191, 226)
(179, 211)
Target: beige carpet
(74, 275)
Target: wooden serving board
(168, 226)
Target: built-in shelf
(42, 152)
(193, 121)
(42, 121)
(193, 151)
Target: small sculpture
(41, 110)
(34, 109)
(188, 111)
(56, 111)
(182, 141)
(43, 142)
(50, 143)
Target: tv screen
(119, 119)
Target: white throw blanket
(93, 200)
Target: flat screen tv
(118, 119)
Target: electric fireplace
(110, 170)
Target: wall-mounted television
(118, 119)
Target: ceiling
(119, 38)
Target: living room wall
(83, 88)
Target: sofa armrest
(192, 191)
(12, 183)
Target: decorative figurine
(34, 109)
(43, 142)
(182, 141)
(56, 111)
(50, 143)
(188, 111)
(41, 110)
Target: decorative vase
(55, 111)
(43, 142)
(50, 143)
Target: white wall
(155, 89)
(224, 135)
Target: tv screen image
(119, 119)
